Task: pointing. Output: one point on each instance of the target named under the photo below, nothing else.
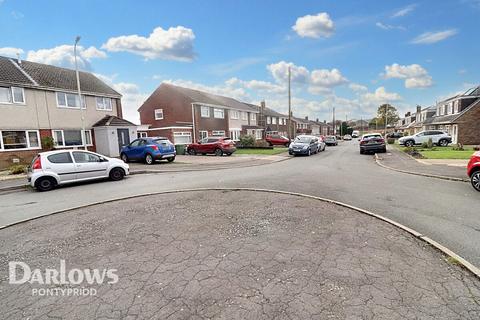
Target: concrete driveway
(233, 255)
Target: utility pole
(386, 118)
(289, 106)
(82, 111)
(334, 124)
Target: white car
(49, 169)
(438, 137)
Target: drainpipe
(193, 124)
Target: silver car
(49, 169)
(438, 137)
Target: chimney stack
(262, 104)
(317, 120)
(324, 121)
(419, 108)
(18, 58)
(306, 117)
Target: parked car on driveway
(148, 150)
(372, 142)
(347, 137)
(438, 137)
(395, 135)
(277, 140)
(49, 169)
(331, 141)
(216, 145)
(473, 170)
(304, 144)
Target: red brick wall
(209, 124)
(469, 126)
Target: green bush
(261, 143)
(390, 140)
(47, 143)
(247, 141)
(17, 169)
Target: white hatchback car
(49, 169)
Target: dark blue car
(149, 150)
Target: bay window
(19, 139)
(104, 103)
(69, 100)
(71, 138)
(12, 95)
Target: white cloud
(176, 43)
(389, 26)
(227, 89)
(327, 78)
(404, 11)
(62, 56)
(434, 37)
(357, 87)
(415, 75)
(132, 99)
(279, 72)
(257, 85)
(11, 52)
(317, 26)
(379, 97)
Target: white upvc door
(455, 133)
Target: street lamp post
(82, 110)
(386, 118)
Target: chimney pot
(419, 108)
(262, 104)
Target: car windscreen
(162, 141)
(373, 136)
(303, 139)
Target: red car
(216, 145)
(473, 170)
(277, 140)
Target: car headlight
(291, 145)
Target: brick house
(185, 115)
(272, 121)
(459, 116)
(39, 101)
(302, 126)
(423, 117)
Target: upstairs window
(69, 100)
(234, 115)
(274, 120)
(158, 114)
(205, 111)
(268, 120)
(104, 104)
(253, 116)
(218, 113)
(244, 116)
(12, 95)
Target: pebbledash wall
(40, 116)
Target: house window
(258, 134)
(12, 95)
(235, 135)
(142, 135)
(104, 104)
(203, 134)
(71, 138)
(455, 107)
(269, 120)
(253, 116)
(22, 139)
(244, 116)
(218, 133)
(234, 115)
(205, 111)
(218, 113)
(182, 137)
(158, 114)
(69, 100)
(274, 120)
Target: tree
(392, 115)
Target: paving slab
(234, 255)
(397, 159)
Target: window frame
(215, 110)
(29, 147)
(215, 133)
(253, 116)
(207, 113)
(83, 103)
(155, 114)
(88, 133)
(244, 116)
(12, 96)
(200, 134)
(103, 103)
(181, 133)
(234, 115)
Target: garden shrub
(247, 141)
(390, 140)
(261, 144)
(429, 143)
(17, 169)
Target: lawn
(446, 153)
(261, 151)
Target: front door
(123, 138)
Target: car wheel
(149, 159)
(45, 184)
(384, 150)
(443, 143)
(116, 174)
(204, 154)
(409, 143)
(171, 159)
(192, 152)
(361, 151)
(229, 154)
(124, 157)
(309, 152)
(218, 152)
(475, 179)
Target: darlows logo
(21, 273)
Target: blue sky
(353, 55)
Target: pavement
(445, 211)
(269, 256)
(399, 160)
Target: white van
(355, 134)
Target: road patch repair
(269, 255)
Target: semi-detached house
(185, 115)
(39, 101)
